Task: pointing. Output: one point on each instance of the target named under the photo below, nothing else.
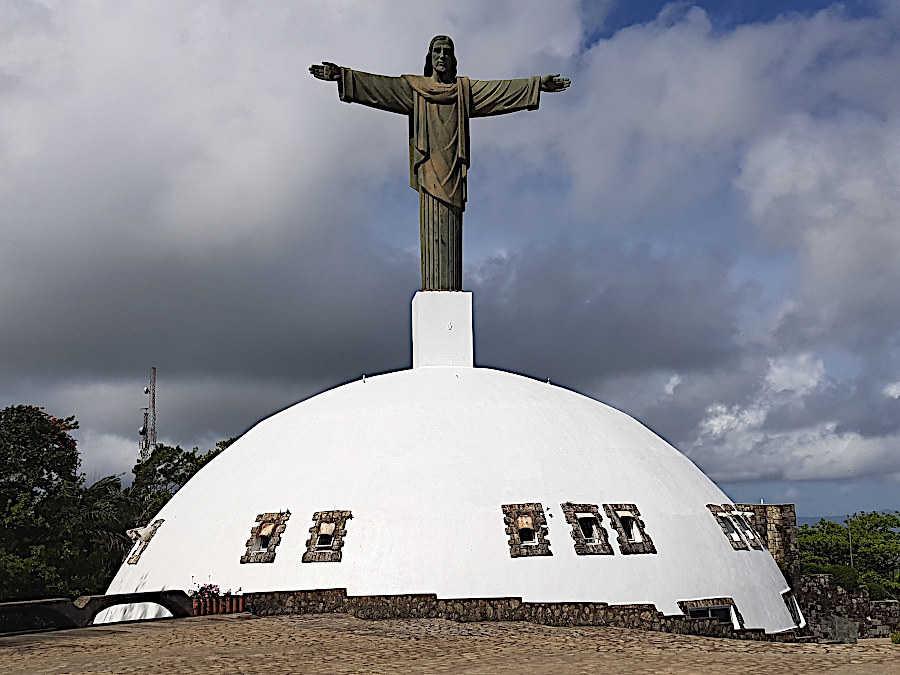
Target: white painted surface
(424, 458)
(133, 612)
(442, 329)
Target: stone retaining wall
(643, 617)
(822, 600)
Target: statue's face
(442, 57)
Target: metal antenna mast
(148, 429)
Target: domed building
(464, 483)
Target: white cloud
(673, 382)
(830, 190)
(722, 421)
(740, 442)
(892, 390)
(800, 374)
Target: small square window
(729, 529)
(796, 615)
(720, 614)
(265, 537)
(527, 530)
(326, 536)
(628, 527)
(722, 610)
(587, 532)
(589, 526)
(744, 521)
(632, 534)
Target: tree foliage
(37, 456)
(38, 473)
(162, 474)
(58, 536)
(875, 537)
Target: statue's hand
(554, 83)
(326, 71)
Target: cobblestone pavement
(339, 643)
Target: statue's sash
(425, 90)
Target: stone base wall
(826, 605)
(426, 606)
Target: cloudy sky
(702, 232)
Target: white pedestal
(442, 329)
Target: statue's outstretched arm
(326, 71)
(552, 83)
(383, 92)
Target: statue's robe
(439, 149)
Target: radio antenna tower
(148, 428)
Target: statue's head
(441, 58)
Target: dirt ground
(339, 643)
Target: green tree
(37, 455)
(826, 546)
(164, 473)
(38, 470)
(98, 518)
(58, 537)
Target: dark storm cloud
(589, 314)
(304, 310)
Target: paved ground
(339, 643)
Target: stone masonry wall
(776, 525)
(822, 600)
(643, 617)
(883, 618)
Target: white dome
(424, 459)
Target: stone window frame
(339, 519)
(582, 546)
(142, 541)
(741, 521)
(711, 603)
(265, 555)
(534, 510)
(722, 514)
(626, 545)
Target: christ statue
(439, 105)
